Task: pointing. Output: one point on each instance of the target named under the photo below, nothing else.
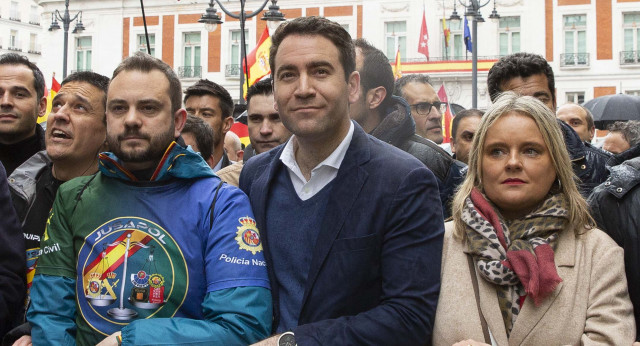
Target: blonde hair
(508, 102)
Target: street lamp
(66, 19)
(211, 20)
(472, 12)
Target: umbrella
(611, 108)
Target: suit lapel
(345, 191)
(530, 315)
(260, 189)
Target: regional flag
(397, 71)
(423, 44)
(258, 62)
(51, 93)
(467, 36)
(446, 117)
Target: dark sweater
(13, 155)
(293, 226)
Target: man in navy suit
(352, 226)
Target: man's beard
(157, 145)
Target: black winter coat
(615, 205)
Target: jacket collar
(397, 124)
(177, 162)
(574, 143)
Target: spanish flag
(51, 93)
(397, 71)
(447, 117)
(258, 61)
(446, 32)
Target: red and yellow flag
(397, 69)
(446, 32)
(258, 61)
(242, 131)
(51, 93)
(447, 118)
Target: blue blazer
(375, 270)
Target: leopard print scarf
(517, 256)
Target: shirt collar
(334, 160)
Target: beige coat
(590, 306)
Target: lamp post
(211, 20)
(472, 11)
(66, 19)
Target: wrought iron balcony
(232, 70)
(189, 71)
(630, 57)
(574, 60)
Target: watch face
(287, 340)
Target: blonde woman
(521, 262)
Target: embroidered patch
(247, 236)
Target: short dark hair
(202, 132)
(144, 62)
(461, 115)
(17, 59)
(376, 70)
(410, 78)
(308, 26)
(630, 131)
(207, 87)
(519, 65)
(262, 87)
(97, 80)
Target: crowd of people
(134, 216)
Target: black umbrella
(611, 108)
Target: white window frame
(397, 37)
(141, 43)
(84, 54)
(574, 97)
(575, 47)
(509, 31)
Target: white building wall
(104, 22)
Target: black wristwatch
(287, 339)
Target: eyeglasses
(423, 108)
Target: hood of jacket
(177, 162)
(624, 171)
(397, 125)
(24, 178)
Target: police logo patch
(247, 236)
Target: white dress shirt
(322, 174)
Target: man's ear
(452, 144)
(353, 87)
(226, 125)
(375, 97)
(592, 133)
(42, 106)
(240, 154)
(180, 118)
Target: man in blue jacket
(353, 226)
(153, 249)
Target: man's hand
(24, 340)
(272, 341)
(470, 343)
(110, 340)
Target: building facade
(592, 45)
(20, 28)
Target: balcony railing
(630, 57)
(15, 16)
(35, 20)
(14, 46)
(232, 70)
(574, 60)
(447, 58)
(189, 71)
